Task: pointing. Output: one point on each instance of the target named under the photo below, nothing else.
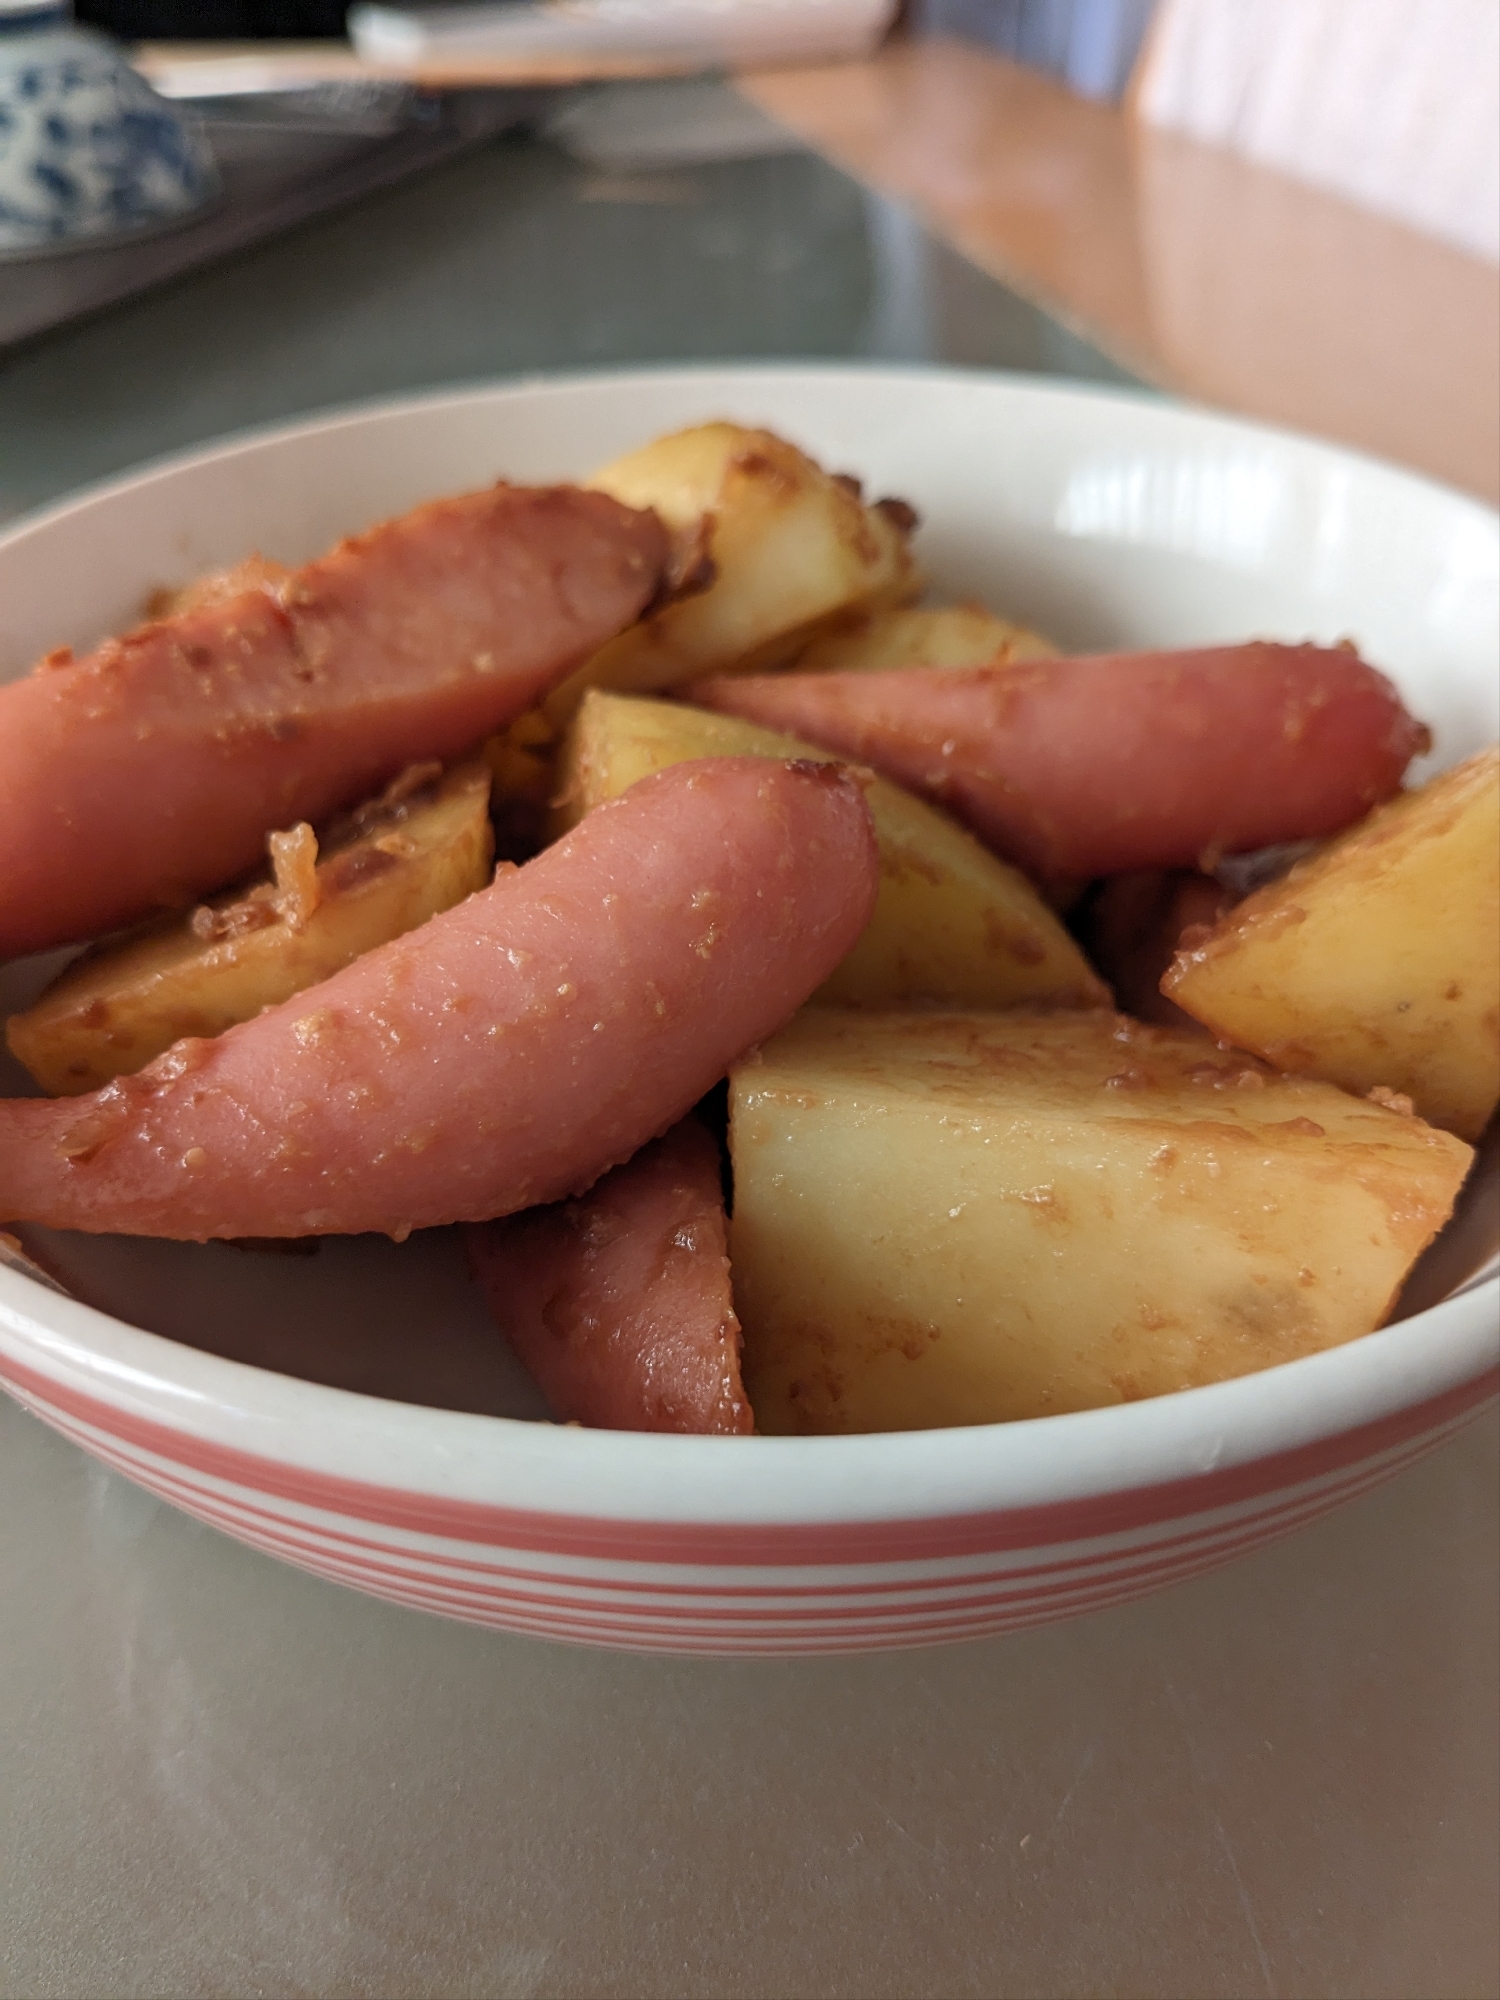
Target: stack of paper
(711, 31)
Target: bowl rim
(1444, 1357)
(253, 1420)
(1158, 404)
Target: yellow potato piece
(787, 545)
(955, 635)
(966, 1218)
(952, 922)
(123, 1003)
(521, 758)
(1376, 962)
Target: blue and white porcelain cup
(88, 151)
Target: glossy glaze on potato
(1376, 962)
(770, 548)
(967, 1218)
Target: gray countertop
(513, 259)
(218, 1775)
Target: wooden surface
(1200, 272)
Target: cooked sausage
(1091, 766)
(152, 769)
(619, 1302)
(508, 1052)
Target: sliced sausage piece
(508, 1052)
(619, 1302)
(1094, 765)
(152, 770)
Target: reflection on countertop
(515, 258)
(1200, 271)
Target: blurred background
(213, 20)
(1290, 209)
(1090, 43)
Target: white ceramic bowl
(352, 1412)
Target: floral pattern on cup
(87, 148)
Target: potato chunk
(1376, 962)
(965, 1218)
(398, 863)
(784, 547)
(952, 922)
(953, 635)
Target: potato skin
(1376, 962)
(1092, 766)
(618, 1302)
(136, 778)
(507, 1053)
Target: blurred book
(714, 32)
